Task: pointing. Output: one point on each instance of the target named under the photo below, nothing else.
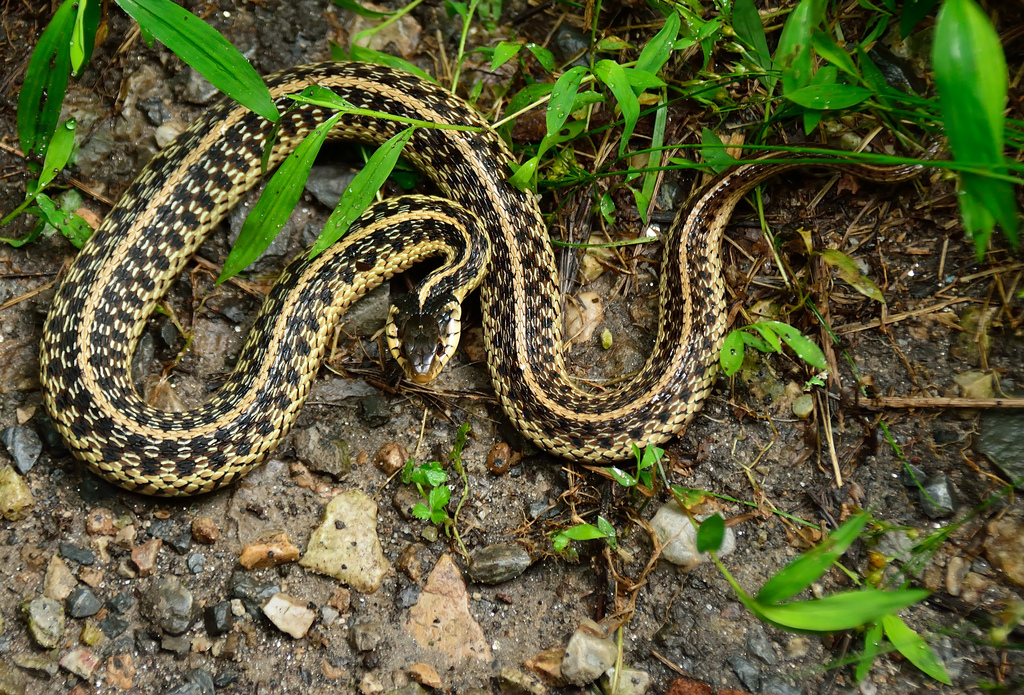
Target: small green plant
(647, 461)
(867, 607)
(431, 480)
(768, 336)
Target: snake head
(422, 341)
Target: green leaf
(913, 12)
(831, 51)
(612, 74)
(504, 52)
(605, 527)
(206, 50)
(421, 511)
(543, 56)
(583, 532)
(607, 207)
(46, 82)
(563, 97)
(58, 152)
(872, 644)
(359, 194)
(652, 455)
(804, 348)
(771, 338)
(793, 56)
(77, 46)
(756, 342)
(276, 202)
(971, 77)
(713, 151)
(747, 23)
(710, 534)
(850, 272)
(658, 49)
(73, 227)
(829, 97)
(806, 569)
(612, 44)
(839, 612)
(731, 358)
(439, 497)
(917, 651)
(622, 477)
(523, 174)
(641, 80)
(355, 7)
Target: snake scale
(102, 305)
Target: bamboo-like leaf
(612, 74)
(840, 611)
(58, 152)
(731, 358)
(806, 569)
(206, 50)
(793, 56)
(972, 80)
(504, 52)
(563, 97)
(917, 651)
(747, 23)
(276, 202)
(46, 82)
(829, 97)
(355, 7)
(872, 644)
(659, 48)
(359, 194)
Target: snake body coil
(101, 308)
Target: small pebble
(425, 674)
(803, 406)
(196, 563)
(289, 614)
(144, 556)
(169, 604)
(82, 603)
(23, 445)
(82, 556)
(100, 522)
(268, 552)
(218, 618)
(499, 459)
(91, 634)
(80, 662)
(938, 498)
(204, 530)
(499, 563)
(45, 619)
(121, 671)
(390, 458)
(16, 499)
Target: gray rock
(587, 657)
(202, 680)
(113, 626)
(82, 556)
(896, 543)
(174, 533)
(197, 89)
(196, 563)
(410, 688)
(568, 41)
(36, 664)
(218, 618)
(498, 563)
(374, 410)
(628, 681)
(82, 603)
(322, 451)
(760, 646)
(998, 438)
(252, 593)
(912, 476)
(938, 498)
(366, 635)
(176, 644)
(748, 672)
(23, 445)
(328, 181)
(368, 316)
(169, 604)
(45, 619)
(679, 536)
(121, 603)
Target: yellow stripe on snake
(101, 307)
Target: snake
(103, 302)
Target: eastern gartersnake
(102, 305)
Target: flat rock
(345, 546)
(441, 620)
(16, 499)
(679, 538)
(289, 614)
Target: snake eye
(420, 344)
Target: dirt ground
(946, 314)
